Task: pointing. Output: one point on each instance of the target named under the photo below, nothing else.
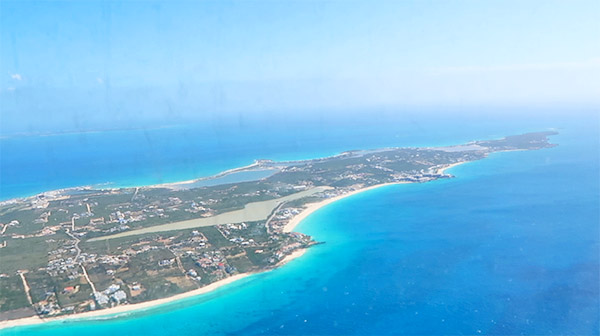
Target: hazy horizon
(101, 65)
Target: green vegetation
(49, 238)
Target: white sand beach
(120, 310)
(116, 311)
(312, 207)
(443, 169)
(254, 211)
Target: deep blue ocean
(510, 246)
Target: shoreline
(312, 207)
(107, 185)
(452, 165)
(138, 307)
(116, 312)
(33, 320)
(99, 186)
(206, 178)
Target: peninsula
(90, 251)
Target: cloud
(16, 76)
(100, 80)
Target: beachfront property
(84, 249)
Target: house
(119, 296)
(101, 298)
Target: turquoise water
(510, 246)
(34, 164)
(237, 177)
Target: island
(89, 251)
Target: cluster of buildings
(113, 295)
(129, 216)
(235, 234)
(281, 218)
(48, 306)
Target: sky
(97, 64)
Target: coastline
(123, 309)
(452, 165)
(311, 208)
(116, 312)
(111, 186)
(206, 178)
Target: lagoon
(508, 246)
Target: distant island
(89, 251)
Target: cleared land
(252, 212)
(178, 238)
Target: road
(85, 274)
(25, 286)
